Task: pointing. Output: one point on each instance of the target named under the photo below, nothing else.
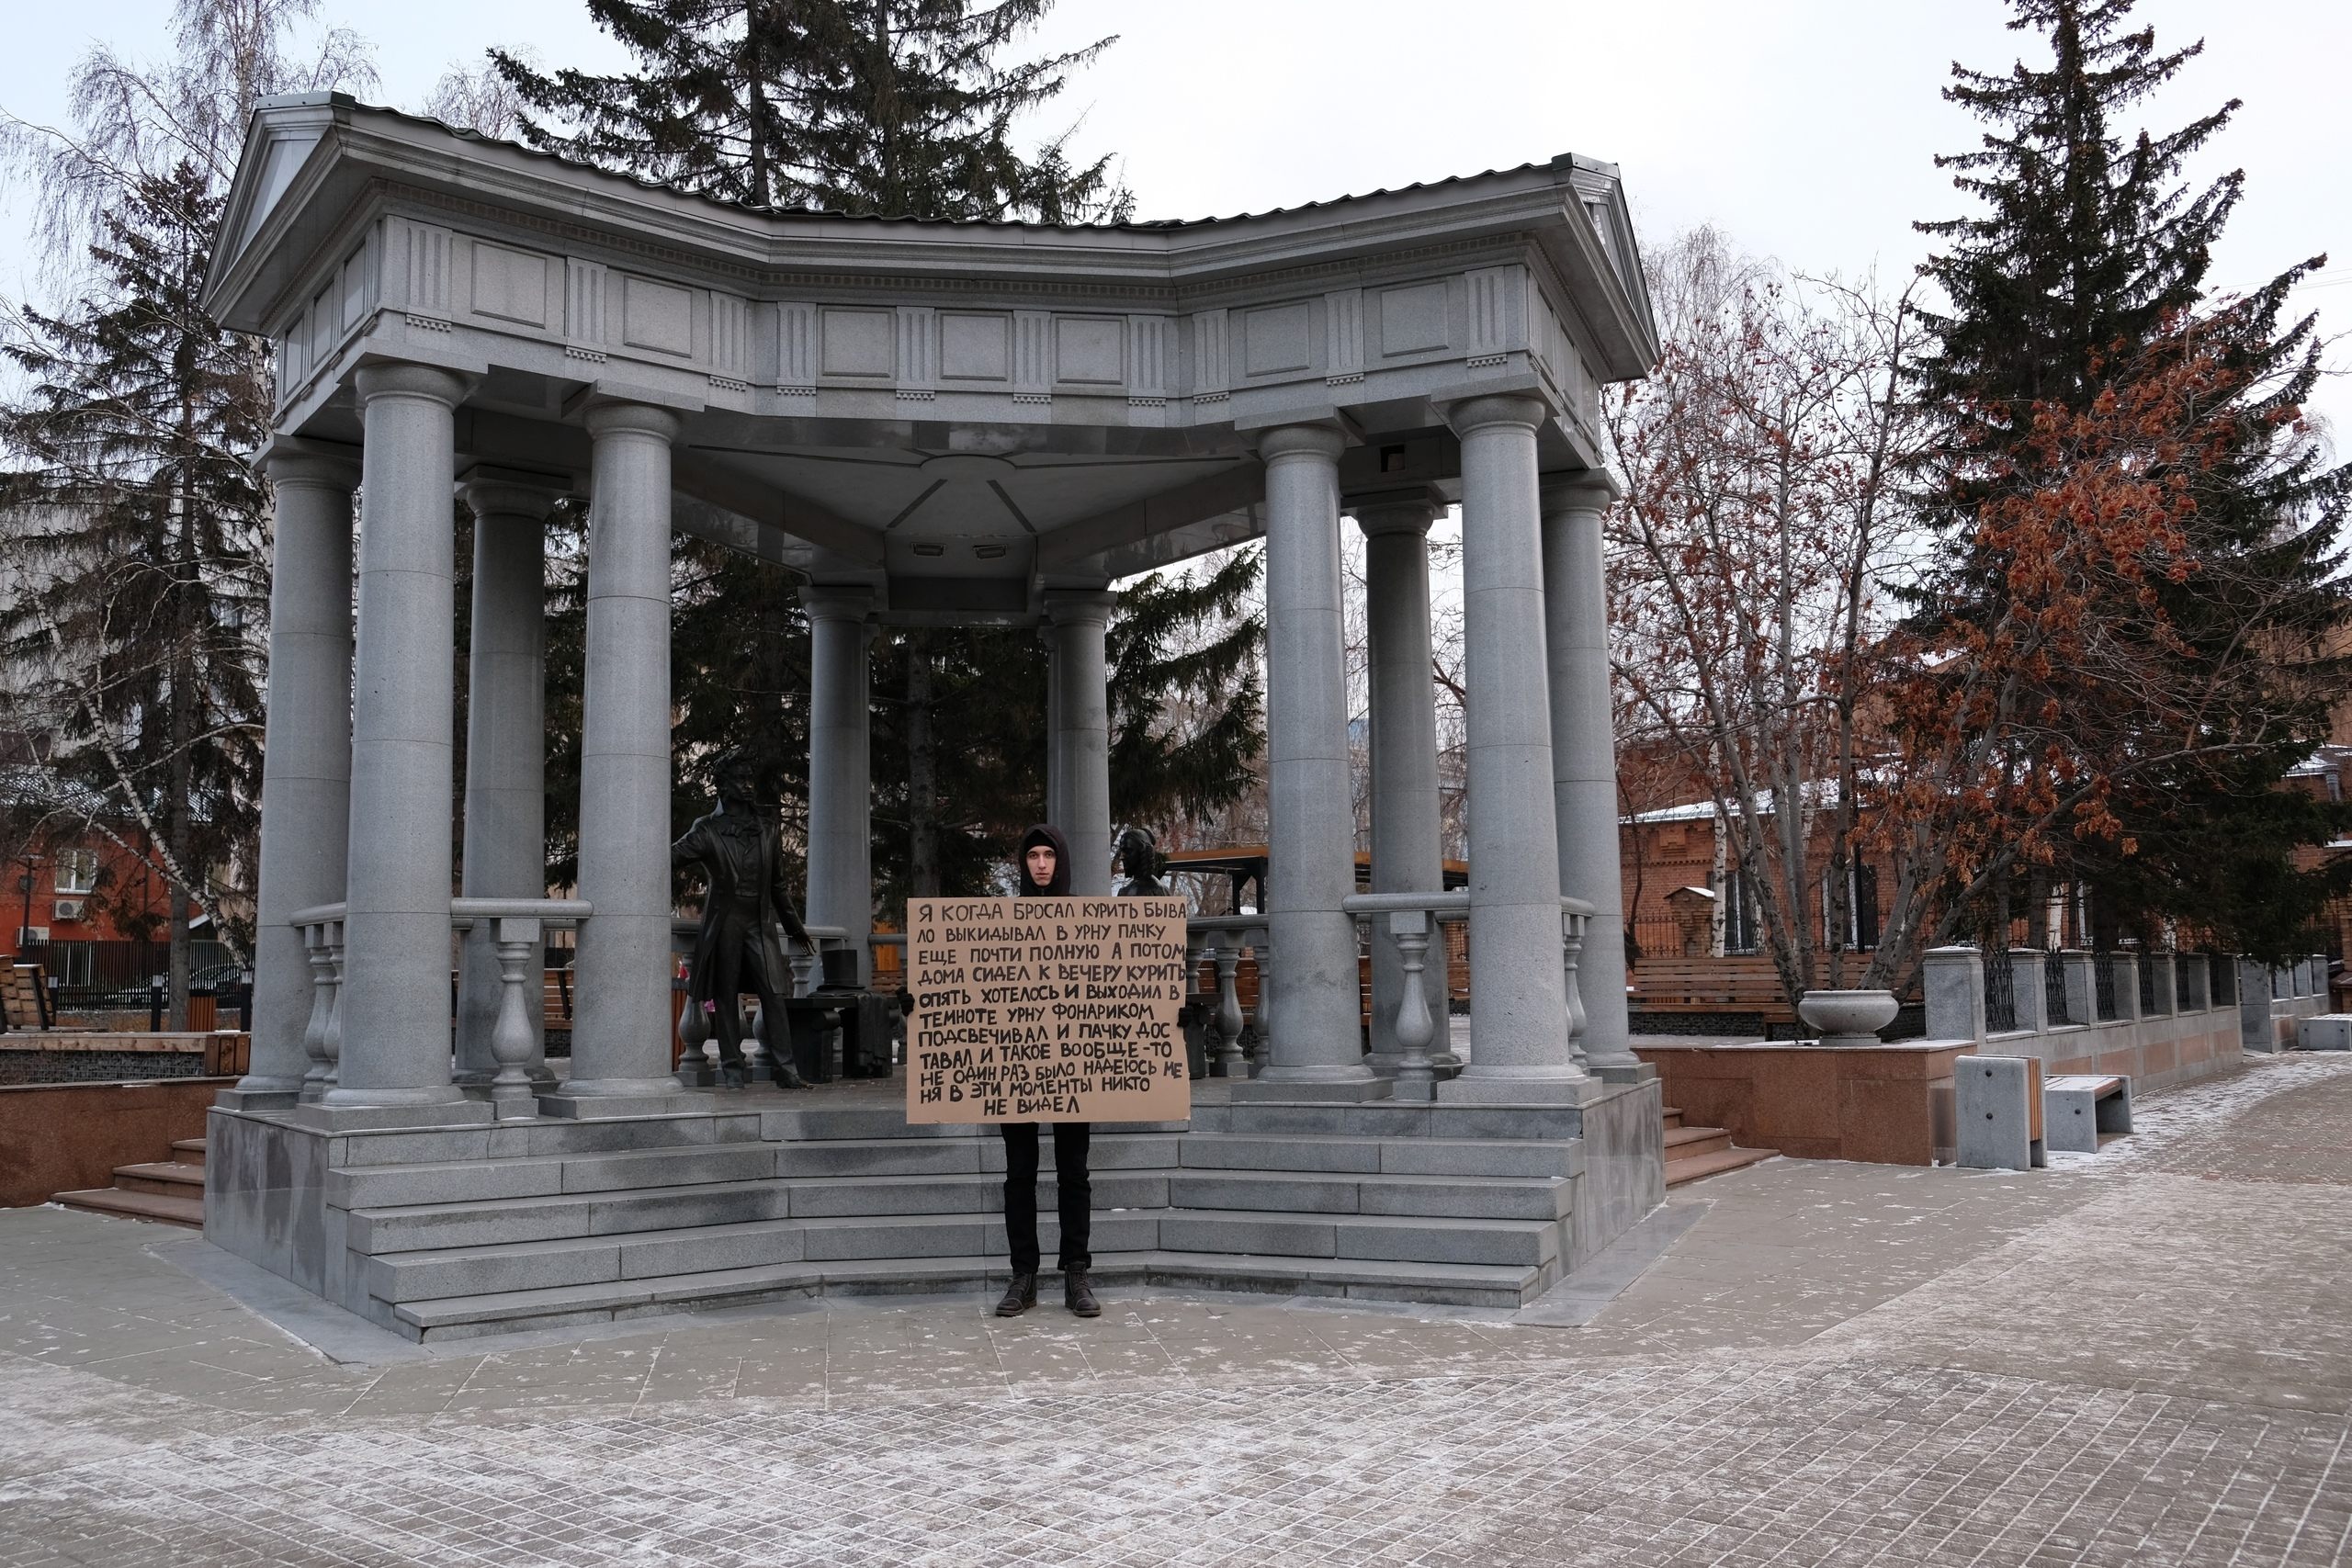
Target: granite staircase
(564, 1222)
(169, 1191)
(1694, 1154)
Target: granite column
(840, 766)
(620, 1036)
(395, 1000)
(1312, 981)
(1079, 720)
(306, 758)
(1520, 1048)
(1584, 752)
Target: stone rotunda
(935, 424)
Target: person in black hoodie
(1044, 873)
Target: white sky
(1803, 128)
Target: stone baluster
(1573, 928)
(514, 1037)
(331, 1038)
(323, 983)
(1415, 1075)
(1230, 1062)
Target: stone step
(502, 1268)
(549, 1136)
(490, 1222)
(1299, 1191)
(1682, 1172)
(1389, 1157)
(1673, 1116)
(804, 1123)
(188, 1151)
(164, 1177)
(951, 1157)
(379, 1187)
(1396, 1119)
(136, 1206)
(1689, 1143)
(454, 1317)
(1387, 1237)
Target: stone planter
(1848, 1018)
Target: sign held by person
(1045, 1010)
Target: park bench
(1997, 1105)
(1750, 985)
(24, 997)
(2078, 1108)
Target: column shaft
(395, 998)
(1056, 766)
(1312, 1004)
(1408, 843)
(1584, 753)
(505, 841)
(621, 1037)
(306, 759)
(1519, 1018)
(1080, 719)
(841, 765)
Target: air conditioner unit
(66, 910)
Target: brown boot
(1019, 1296)
(1077, 1296)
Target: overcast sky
(1803, 128)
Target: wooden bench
(24, 997)
(1748, 986)
(2077, 1108)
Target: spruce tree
(2080, 285)
(145, 541)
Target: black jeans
(1070, 1139)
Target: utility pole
(31, 862)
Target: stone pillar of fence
(2127, 986)
(1952, 979)
(2254, 1032)
(2082, 986)
(2200, 980)
(2027, 1002)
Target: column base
(239, 1097)
(320, 1116)
(624, 1097)
(1470, 1088)
(1345, 1091)
(1634, 1071)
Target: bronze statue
(1139, 863)
(744, 900)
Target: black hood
(1052, 838)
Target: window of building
(1739, 912)
(77, 870)
(1861, 909)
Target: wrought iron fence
(2147, 987)
(2054, 1006)
(2182, 993)
(2000, 991)
(125, 975)
(2103, 987)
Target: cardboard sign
(1045, 1010)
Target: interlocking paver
(2139, 1357)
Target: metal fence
(2182, 992)
(2147, 987)
(2055, 1007)
(2103, 987)
(2221, 972)
(2000, 991)
(124, 975)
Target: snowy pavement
(2140, 1357)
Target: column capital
(1506, 408)
(1409, 510)
(632, 419)
(1582, 490)
(1075, 606)
(291, 460)
(509, 492)
(396, 378)
(837, 602)
(1316, 440)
